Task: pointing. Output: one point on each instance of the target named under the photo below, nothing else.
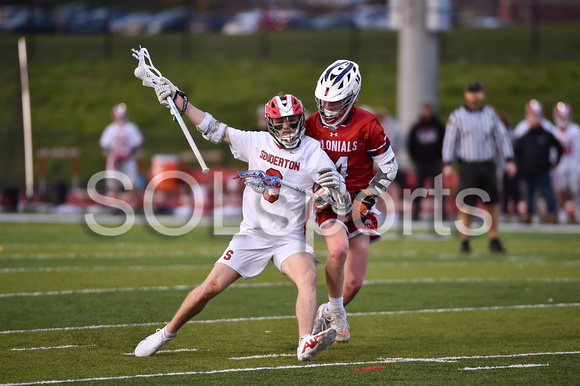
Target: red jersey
(352, 145)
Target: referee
(476, 138)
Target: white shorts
(566, 177)
(249, 253)
(128, 167)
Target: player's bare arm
(206, 124)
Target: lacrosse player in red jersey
(356, 142)
(274, 218)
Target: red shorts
(369, 227)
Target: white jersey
(524, 126)
(569, 137)
(121, 138)
(283, 211)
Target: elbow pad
(387, 171)
(212, 129)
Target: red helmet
(535, 108)
(289, 107)
(120, 112)
(562, 114)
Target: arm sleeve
(502, 139)
(386, 172)
(449, 140)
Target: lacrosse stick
(150, 77)
(260, 179)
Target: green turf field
(74, 305)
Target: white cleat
(311, 345)
(339, 323)
(152, 343)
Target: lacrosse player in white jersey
(566, 175)
(274, 218)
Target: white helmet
(562, 114)
(340, 82)
(534, 107)
(120, 112)
(289, 107)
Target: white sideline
(432, 310)
(284, 284)
(381, 361)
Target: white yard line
(98, 268)
(504, 367)
(250, 369)
(434, 310)
(160, 288)
(51, 348)
(262, 356)
(283, 284)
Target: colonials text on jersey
(340, 146)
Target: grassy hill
(75, 80)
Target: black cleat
(495, 246)
(465, 247)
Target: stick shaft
(188, 136)
(304, 191)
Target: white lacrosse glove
(323, 200)
(331, 179)
(164, 88)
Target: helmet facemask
(562, 114)
(286, 120)
(333, 114)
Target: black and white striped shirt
(476, 136)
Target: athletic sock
(336, 305)
(167, 334)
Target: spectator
(424, 145)
(566, 175)
(532, 107)
(532, 152)
(120, 142)
(476, 137)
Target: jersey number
(228, 255)
(342, 165)
(272, 197)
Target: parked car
(170, 20)
(132, 24)
(21, 18)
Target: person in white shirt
(566, 175)
(121, 141)
(274, 219)
(533, 108)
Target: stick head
(258, 180)
(145, 69)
